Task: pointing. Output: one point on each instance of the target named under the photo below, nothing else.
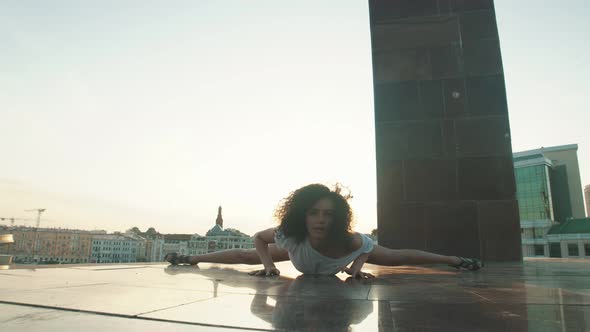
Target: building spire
(219, 220)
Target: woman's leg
(390, 257)
(239, 256)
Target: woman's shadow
(306, 302)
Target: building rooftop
(119, 237)
(537, 295)
(4, 228)
(571, 226)
(541, 150)
(178, 237)
(217, 230)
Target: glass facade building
(545, 194)
(535, 203)
(533, 191)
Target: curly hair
(292, 211)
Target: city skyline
(142, 115)
(25, 223)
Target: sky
(117, 114)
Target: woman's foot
(471, 264)
(174, 258)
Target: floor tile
(489, 317)
(28, 319)
(536, 295)
(107, 298)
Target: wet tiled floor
(537, 295)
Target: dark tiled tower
(445, 176)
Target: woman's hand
(273, 271)
(358, 274)
(261, 241)
(355, 269)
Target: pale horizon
(130, 113)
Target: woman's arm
(355, 269)
(261, 241)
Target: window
(587, 249)
(572, 249)
(538, 233)
(539, 250)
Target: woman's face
(319, 218)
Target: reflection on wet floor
(304, 302)
(538, 295)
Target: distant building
(218, 238)
(152, 249)
(570, 239)
(140, 252)
(114, 248)
(549, 190)
(175, 243)
(198, 245)
(221, 239)
(587, 197)
(50, 245)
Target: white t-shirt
(308, 260)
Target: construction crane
(39, 211)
